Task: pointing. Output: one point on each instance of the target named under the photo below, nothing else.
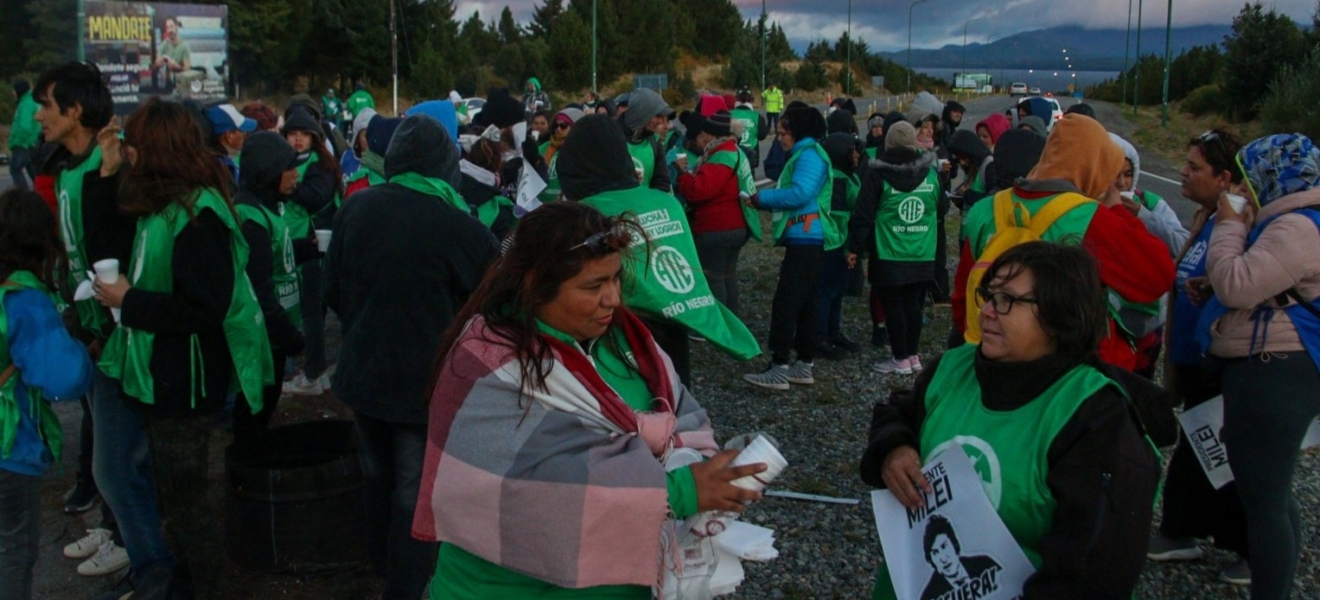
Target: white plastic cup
(1128, 195)
(323, 239)
(759, 451)
(107, 270)
(943, 163)
(1237, 202)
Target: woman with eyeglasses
(190, 326)
(1067, 466)
(1263, 324)
(552, 411)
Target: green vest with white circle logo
(662, 275)
(905, 222)
(643, 159)
(749, 119)
(1009, 449)
(284, 269)
(68, 190)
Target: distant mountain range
(1089, 49)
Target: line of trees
(1268, 68)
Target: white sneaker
(301, 386)
(891, 366)
(801, 373)
(88, 544)
(915, 362)
(109, 558)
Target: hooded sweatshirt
(535, 100)
(968, 144)
(401, 263)
(1284, 170)
(265, 158)
(996, 124)
(316, 188)
(1036, 124)
(591, 169)
(1016, 153)
(1079, 157)
(903, 169)
(1154, 212)
(643, 105)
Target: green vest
(284, 270)
(742, 168)
(977, 185)
(841, 215)
(489, 211)
(551, 191)
(664, 278)
(127, 355)
(905, 222)
(871, 152)
(781, 217)
(643, 159)
(48, 424)
(373, 178)
(1068, 229)
(1008, 448)
(68, 189)
(297, 217)
(750, 119)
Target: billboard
(149, 49)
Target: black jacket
(203, 270)
(401, 263)
(107, 231)
(1102, 473)
(265, 158)
(477, 193)
(968, 144)
(316, 191)
(903, 169)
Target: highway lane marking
(1164, 179)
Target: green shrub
(1203, 100)
(810, 76)
(1290, 105)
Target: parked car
(1017, 89)
(1036, 102)
(1035, 91)
(474, 106)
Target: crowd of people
(518, 293)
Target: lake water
(1045, 80)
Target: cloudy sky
(883, 23)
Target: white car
(1057, 111)
(1017, 89)
(1035, 91)
(474, 106)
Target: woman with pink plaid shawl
(552, 413)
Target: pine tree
(509, 31)
(545, 18)
(1262, 43)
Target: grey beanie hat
(901, 135)
(642, 106)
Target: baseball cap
(225, 118)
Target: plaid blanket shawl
(566, 485)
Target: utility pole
(394, 56)
(81, 50)
(763, 34)
(1136, 70)
(847, 62)
(1168, 57)
(593, 46)
(1127, 46)
(909, 52)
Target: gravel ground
(826, 550)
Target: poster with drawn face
(1203, 425)
(955, 547)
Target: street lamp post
(1168, 56)
(1127, 45)
(847, 63)
(964, 61)
(909, 52)
(763, 45)
(1136, 70)
(593, 46)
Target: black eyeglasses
(1001, 301)
(563, 125)
(611, 239)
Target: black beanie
(21, 86)
(299, 119)
(718, 124)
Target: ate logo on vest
(672, 270)
(911, 209)
(984, 460)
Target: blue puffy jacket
(810, 175)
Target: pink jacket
(1286, 255)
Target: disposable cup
(943, 163)
(759, 451)
(1237, 202)
(1128, 195)
(107, 270)
(322, 239)
(640, 174)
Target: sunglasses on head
(616, 237)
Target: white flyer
(1204, 426)
(954, 547)
(530, 186)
